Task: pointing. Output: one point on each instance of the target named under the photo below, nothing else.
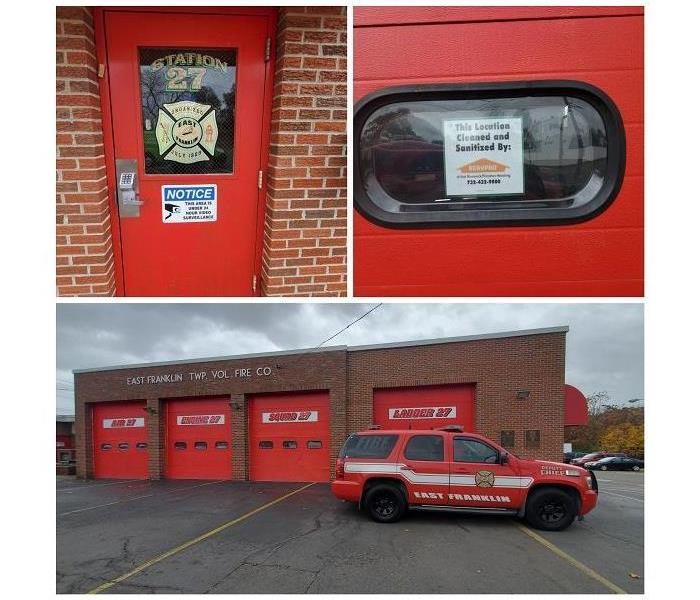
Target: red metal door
(187, 101)
(425, 407)
(289, 437)
(120, 440)
(602, 46)
(198, 439)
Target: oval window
(106, 447)
(180, 445)
(314, 444)
(200, 445)
(123, 446)
(265, 445)
(221, 445)
(487, 154)
(141, 445)
(289, 444)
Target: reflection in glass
(188, 109)
(564, 152)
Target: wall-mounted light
(235, 405)
(523, 394)
(151, 411)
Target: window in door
(425, 447)
(474, 451)
(188, 109)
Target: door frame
(99, 13)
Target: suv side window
(369, 446)
(474, 451)
(425, 447)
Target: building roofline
(369, 347)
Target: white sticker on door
(121, 422)
(189, 203)
(483, 156)
(424, 412)
(291, 416)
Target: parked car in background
(594, 456)
(616, 463)
(569, 456)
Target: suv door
(425, 469)
(478, 480)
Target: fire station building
(283, 416)
(201, 151)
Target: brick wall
(84, 261)
(305, 228)
(498, 368)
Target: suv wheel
(385, 503)
(550, 509)
(635, 468)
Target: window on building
(200, 445)
(485, 154)
(141, 445)
(289, 444)
(368, 446)
(474, 451)
(532, 439)
(314, 444)
(123, 445)
(188, 110)
(221, 445)
(105, 447)
(425, 447)
(180, 445)
(265, 445)
(508, 438)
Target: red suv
(388, 472)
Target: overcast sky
(604, 345)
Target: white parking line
(89, 486)
(621, 496)
(78, 510)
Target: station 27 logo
(186, 131)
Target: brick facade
(84, 261)
(304, 239)
(497, 367)
(305, 224)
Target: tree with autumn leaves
(610, 428)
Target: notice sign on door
(483, 156)
(189, 203)
(426, 412)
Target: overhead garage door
(120, 440)
(198, 439)
(425, 407)
(289, 437)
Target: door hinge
(260, 179)
(268, 48)
(255, 283)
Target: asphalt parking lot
(232, 537)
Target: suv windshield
(368, 446)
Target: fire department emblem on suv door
(186, 131)
(484, 479)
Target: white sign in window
(201, 420)
(290, 416)
(483, 156)
(424, 412)
(121, 422)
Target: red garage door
(424, 407)
(289, 437)
(120, 440)
(198, 439)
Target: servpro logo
(120, 422)
(483, 165)
(292, 416)
(426, 412)
(201, 420)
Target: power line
(350, 325)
